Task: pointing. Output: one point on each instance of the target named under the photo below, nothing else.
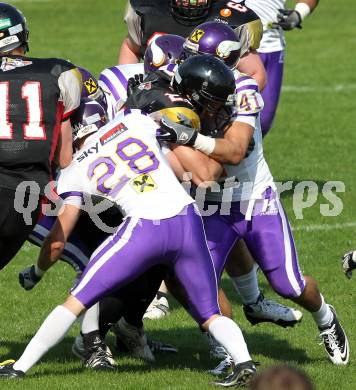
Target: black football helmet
(190, 11)
(206, 82)
(13, 29)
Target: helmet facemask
(190, 10)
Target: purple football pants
(268, 237)
(139, 244)
(273, 63)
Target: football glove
(133, 82)
(288, 19)
(348, 263)
(28, 278)
(181, 133)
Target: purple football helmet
(163, 50)
(216, 39)
(190, 11)
(90, 88)
(87, 119)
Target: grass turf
(312, 139)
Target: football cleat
(216, 350)
(157, 309)
(335, 341)
(79, 351)
(7, 370)
(134, 339)
(97, 358)
(223, 367)
(348, 263)
(158, 346)
(241, 375)
(266, 310)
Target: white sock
(90, 319)
(324, 315)
(247, 287)
(229, 335)
(51, 332)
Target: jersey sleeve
(250, 35)
(248, 101)
(70, 86)
(133, 22)
(69, 188)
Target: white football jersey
(113, 81)
(248, 179)
(267, 10)
(123, 163)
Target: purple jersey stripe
(66, 195)
(120, 76)
(110, 86)
(250, 86)
(171, 67)
(243, 78)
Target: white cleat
(134, 339)
(158, 308)
(266, 310)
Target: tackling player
(123, 163)
(276, 18)
(246, 204)
(37, 97)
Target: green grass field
(312, 139)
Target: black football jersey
(35, 96)
(156, 17)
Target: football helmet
(90, 88)
(206, 82)
(216, 39)
(163, 50)
(87, 119)
(190, 11)
(13, 29)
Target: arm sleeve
(133, 22)
(70, 86)
(69, 187)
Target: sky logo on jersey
(113, 133)
(87, 152)
(5, 23)
(143, 183)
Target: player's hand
(288, 19)
(133, 82)
(28, 278)
(181, 133)
(348, 263)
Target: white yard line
(325, 226)
(319, 89)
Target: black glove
(28, 278)
(133, 82)
(181, 133)
(288, 19)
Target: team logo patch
(5, 23)
(145, 86)
(91, 86)
(113, 133)
(197, 35)
(143, 183)
(13, 63)
(225, 12)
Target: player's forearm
(226, 152)
(129, 52)
(50, 253)
(252, 65)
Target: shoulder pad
(233, 17)
(58, 66)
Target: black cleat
(240, 377)
(7, 370)
(159, 346)
(335, 341)
(97, 357)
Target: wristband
(204, 144)
(303, 9)
(38, 271)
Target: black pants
(14, 226)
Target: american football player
(276, 19)
(135, 175)
(37, 97)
